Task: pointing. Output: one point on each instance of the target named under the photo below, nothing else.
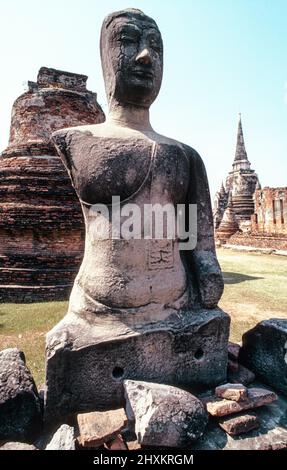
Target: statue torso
(116, 272)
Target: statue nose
(144, 57)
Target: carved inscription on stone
(160, 254)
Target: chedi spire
(240, 161)
(242, 182)
(222, 191)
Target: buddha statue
(142, 307)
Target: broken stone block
(234, 392)
(20, 410)
(242, 376)
(256, 397)
(63, 439)
(264, 351)
(239, 424)
(133, 445)
(17, 446)
(99, 427)
(164, 415)
(233, 350)
(116, 443)
(271, 435)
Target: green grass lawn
(24, 326)
(255, 289)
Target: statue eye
(155, 44)
(129, 38)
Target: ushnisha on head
(132, 58)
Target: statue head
(132, 58)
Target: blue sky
(221, 57)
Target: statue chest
(102, 168)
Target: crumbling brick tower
(41, 224)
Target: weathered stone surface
(272, 433)
(239, 424)
(142, 307)
(63, 439)
(241, 376)
(234, 392)
(117, 443)
(164, 416)
(17, 446)
(128, 433)
(41, 222)
(96, 428)
(185, 349)
(20, 410)
(256, 397)
(232, 366)
(41, 393)
(233, 351)
(264, 351)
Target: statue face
(132, 58)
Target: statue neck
(129, 116)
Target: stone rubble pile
(155, 415)
(256, 397)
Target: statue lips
(143, 73)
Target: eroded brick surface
(41, 223)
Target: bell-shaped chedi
(229, 224)
(220, 202)
(41, 223)
(241, 181)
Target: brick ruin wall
(268, 223)
(270, 215)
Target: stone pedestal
(88, 358)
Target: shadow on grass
(236, 278)
(2, 325)
(2, 314)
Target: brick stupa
(41, 224)
(241, 183)
(229, 224)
